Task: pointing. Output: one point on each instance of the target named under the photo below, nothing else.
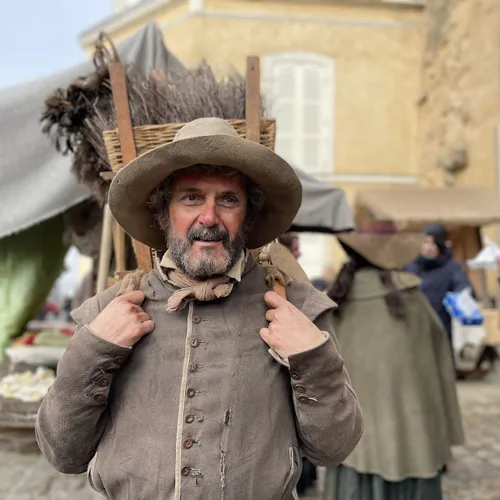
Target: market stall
(59, 208)
(464, 212)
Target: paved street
(474, 473)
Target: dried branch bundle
(76, 117)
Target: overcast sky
(40, 37)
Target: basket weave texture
(148, 137)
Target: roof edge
(122, 19)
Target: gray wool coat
(199, 409)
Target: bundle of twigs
(76, 117)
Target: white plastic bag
(487, 257)
(466, 335)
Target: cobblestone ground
(474, 473)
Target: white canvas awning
(36, 181)
(324, 207)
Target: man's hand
(290, 331)
(123, 321)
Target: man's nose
(209, 217)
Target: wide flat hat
(207, 141)
(383, 246)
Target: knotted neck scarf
(190, 289)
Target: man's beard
(207, 265)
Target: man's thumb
(136, 297)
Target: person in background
(291, 242)
(440, 273)
(397, 354)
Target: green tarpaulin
(30, 263)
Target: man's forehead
(221, 180)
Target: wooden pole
(127, 143)
(252, 105)
(120, 248)
(105, 251)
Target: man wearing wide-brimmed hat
(202, 384)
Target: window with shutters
(298, 90)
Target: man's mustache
(202, 233)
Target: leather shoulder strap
(279, 289)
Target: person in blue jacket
(440, 273)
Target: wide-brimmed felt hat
(210, 141)
(384, 247)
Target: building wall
(377, 64)
(460, 106)
(377, 55)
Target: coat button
(99, 398)
(192, 367)
(103, 382)
(190, 393)
(300, 389)
(295, 375)
(303, 399)
(189, 418)
(195, 342)
(185, 471)
(188, 443)
(119, 360)
(196, 319)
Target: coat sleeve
(328, 414)
(73, 414)
(459, 279)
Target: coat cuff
(285, 362)
(86, 370)
(315, 372)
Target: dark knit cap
(439, 233)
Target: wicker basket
(148, 137)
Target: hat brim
(131, 188)
(386, 251)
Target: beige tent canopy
(411, 208)
(462, 210)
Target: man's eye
(190, 198)
(229, 200)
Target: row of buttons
(299, 388)
(104, 381)
(190, 393)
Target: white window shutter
(299, 91)
(280, 81)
